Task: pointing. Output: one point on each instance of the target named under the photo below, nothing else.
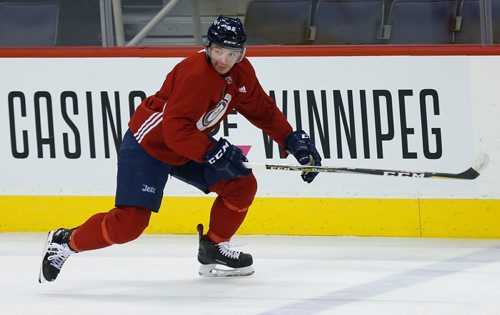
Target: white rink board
(451, 100)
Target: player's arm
(261, 110)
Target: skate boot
(56, 252)
(218, 260)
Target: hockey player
(169, 135)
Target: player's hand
(299, 144)
(227, 160)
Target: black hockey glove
(227, 160)
(299, 144)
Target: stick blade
(480, 164)
(471, 173)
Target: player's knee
(240, 192)
(125, 224)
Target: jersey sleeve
(261, 110)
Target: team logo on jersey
(210, 118)
(242, 89)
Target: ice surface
(158, 274)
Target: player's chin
(222, 71)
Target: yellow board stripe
(281, 216)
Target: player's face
(223, 59)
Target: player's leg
(117, 226)
(231, 206)
(227, 214)
(140, 183)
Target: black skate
(56, 252)
(218, 260)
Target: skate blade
(214, 270)
(41, 278)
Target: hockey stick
(470, 173)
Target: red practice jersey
(172, 125)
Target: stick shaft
(470, 173)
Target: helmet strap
(206, 51)
(243, 51)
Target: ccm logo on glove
(227, 160)
(220, 153)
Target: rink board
(281, 216)
(410, 108)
